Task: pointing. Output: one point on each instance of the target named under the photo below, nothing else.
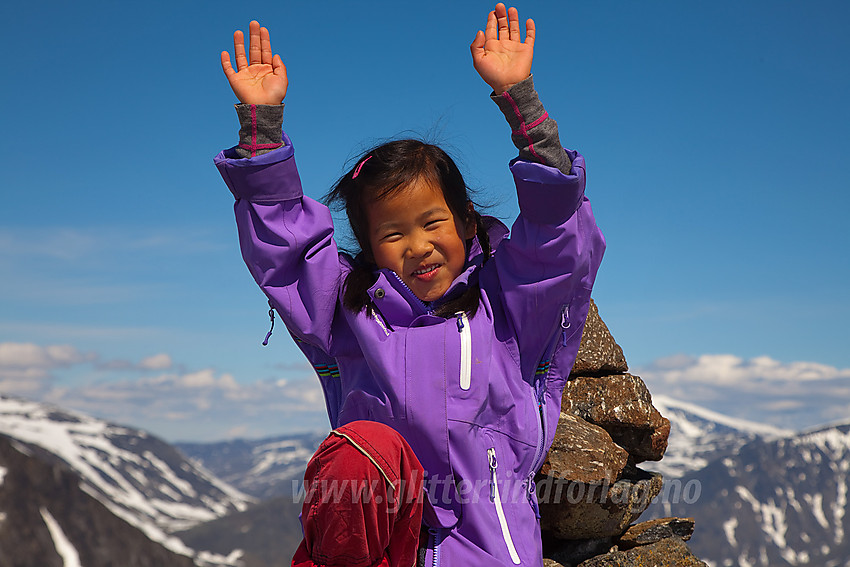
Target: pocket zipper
(465, 350)
(500, 512)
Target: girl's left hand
(498, 54)
(261, 78)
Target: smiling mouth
(426, 272)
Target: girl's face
(414, 233)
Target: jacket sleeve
(547, 267)
(286, 241)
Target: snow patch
(773, 522)
(665, 403)
(142, 489)
(815, 502)
(729, 529)
(233, 559)
(64, 547)
(839, 507)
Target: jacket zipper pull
(271, 317)
(565, 324)
(532, 496)
(491, 460)
(460, 322)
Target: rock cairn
(590, 488)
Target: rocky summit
(590, 489)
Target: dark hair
(378, 174)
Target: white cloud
(792, 395)
(201, 379)
(199, 404)
(236, 431)
(159, 361)
(731, 369)
(27, 368)
(29, 355)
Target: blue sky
(716, 137)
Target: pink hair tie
(359, 167)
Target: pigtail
(355, 293)
(482, 228)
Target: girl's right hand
(264, 80)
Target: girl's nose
(421, 246)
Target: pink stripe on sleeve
(539, 121)
(253, 130)
(523, 130)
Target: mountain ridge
(138, 477)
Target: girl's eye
(433, 223)
(391, 236)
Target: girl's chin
(428, 295)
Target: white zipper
(465, 350)
(434, 538)
(500, 512)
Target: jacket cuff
(259, 128)
(264, 179)
(546, 195)
(532, 131)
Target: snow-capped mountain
(266, 534)
(699, 435)
(263, 468)
(138, 477)
(47, 520)
(775, 502)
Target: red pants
(363, 504)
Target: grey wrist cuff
(260, 127)
(532, 131)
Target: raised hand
(260, 79)
(498, 54)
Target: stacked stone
(590, 488)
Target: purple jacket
(477, 399)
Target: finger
(477, 46)
(490, 32)
(502, 19)
(239, 49)
(254, 52)
(513, 24)
(265, 46)
(225, 64)
(278, 68)
(529, 32)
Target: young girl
(443, 329)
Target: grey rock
(621, 405)
(582, 452)
(598, 353)
(575, 510)
(571, 553)
(656, 530)
(668, 552)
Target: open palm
(261, 77)
(498, 53)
